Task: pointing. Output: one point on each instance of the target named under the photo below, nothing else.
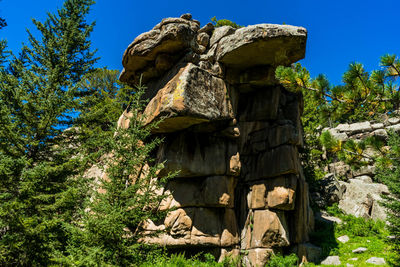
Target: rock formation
(357, 194)
(231, 130)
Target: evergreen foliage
(389, 173)
(126, 197)
(224, 22)
(362, 96)
(283, 261)
(37, 162)
(102, 100)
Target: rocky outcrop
(232, 132)
(358, 194)
(361, 199)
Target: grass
(361, 232)
(180, 260)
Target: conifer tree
(362, 95)
(224, 22)
(126, 196)
(388, 172)
(102, 100)
(37, 98)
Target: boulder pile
(231, 130)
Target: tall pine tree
(388, 172)
(37, 101)
(129, 191)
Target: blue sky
(339, 32)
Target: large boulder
(362, 199)
(262, 44)
(266, 229)
(200, 227)
(275, 193)
(154, 52)
(193, 96)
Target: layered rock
(230, 130)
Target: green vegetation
(127, 197)
(37, 162)
(283, 261)
(59, 117)
(363, 96)
(224, 22)
(361, 232)
(389, 174)
(175, 260)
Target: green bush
(283, 261)
(224, 22)
(180, 260)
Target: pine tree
(224, 22)
(38, 191)
(126, 196)
(362, 95)
(102, 100)
(388, 172)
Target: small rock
(343, 239)
(186, 16)
(331, 260)
(201, 49)
(343, 127)
(310, 251)
(376, 126)
(376, 261)
(359, 250)
(203, 39)
(380, 133)
(365, 178)
(353, 259)
(221, 32)
(338, 135)
(365, 170)
(391, 237)
(394, 120)
(395, 128)
(208, 28)
(359, 127)
(325, 217)
(349, 265)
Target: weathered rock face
(361, 199)
(230, 129)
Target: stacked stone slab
(230, 129)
